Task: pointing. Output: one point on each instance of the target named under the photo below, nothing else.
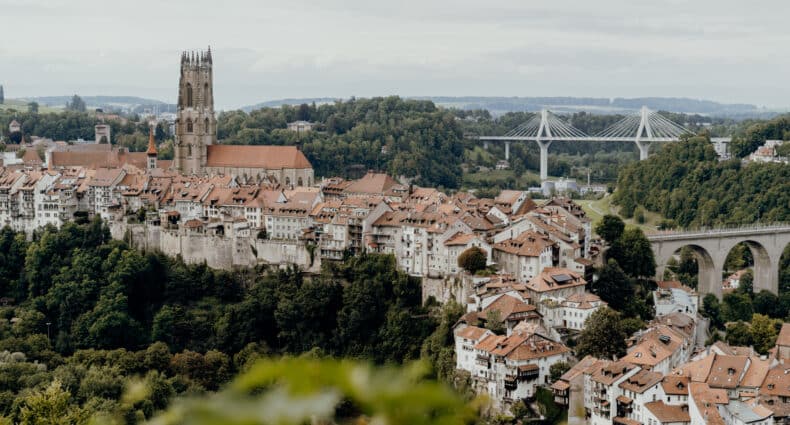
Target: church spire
(151, 145)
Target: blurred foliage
(303, 390)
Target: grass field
(528, 178)
(21, 106)
(598, 208)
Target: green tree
(603, 335)
(438, 349)
(746, 283)
(613, 286)
(633, 253)
(50, 406)
(610, 228)
(764, 333)
(32, 107)
(76, 104)
(558, 369)
(711, 308)
(765, 302)
(472, 260)
(739, 334)
(737, 307)
(494, 322)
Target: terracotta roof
(675, 385)
(784, 335)
(151, 145)
(461, 239)
(31, 157)
(247, 156)
(555, 278)
(97, 159)
(606, 372)
(625, 421)
(584, 364)
(777, 382)
(756, 373)
(654, 346)
(726, 371)
(697, 370)
(471, 332)
(706, 399)
(372, 183)
(508, 305)
(583, 301)
(527, 244)
(673, 284)
(536, 347)
(641, 381)
(668, 413)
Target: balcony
(511, 382)
(528, 372)
(482, 361)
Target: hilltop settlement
(241, 206)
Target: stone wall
(458, 287)
(219, 252)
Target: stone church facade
(196, 148)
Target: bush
(472, 260)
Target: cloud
(723, 50)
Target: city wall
(219, 252)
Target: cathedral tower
(196, 126)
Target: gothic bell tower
(196, 126)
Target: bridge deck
(727, 231)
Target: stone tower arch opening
(189, 95)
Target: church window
(205, 94)
(189, 125)
(300, 181)
(206, 125)
(189, 95)
(189, 151)
(287, 181)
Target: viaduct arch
(713, 245)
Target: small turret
(151, 152)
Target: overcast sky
(723, 50)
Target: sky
(731, 51)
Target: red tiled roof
(245, 156)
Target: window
(189, 125)
(206, 124)
(189, 95)
(205, 97)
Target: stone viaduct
(711, 247)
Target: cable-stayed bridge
(643, 128)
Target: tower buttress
(195, 121)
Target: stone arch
(189, 95)
(766, 276)
(709, 277)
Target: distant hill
(110, 103)
(502, 105)
(281, 102)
